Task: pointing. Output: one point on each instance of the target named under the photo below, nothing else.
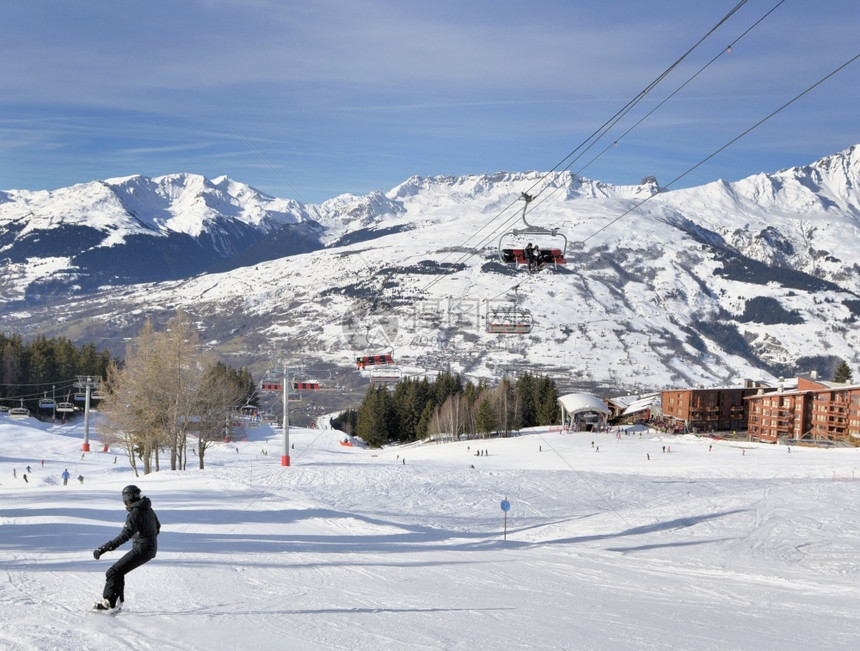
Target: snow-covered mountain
(663, 287)
(134, 229)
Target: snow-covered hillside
(709, 545)
(663, 287)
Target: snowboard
(111, 611)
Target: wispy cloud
(374, 91)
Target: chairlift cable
(486, 240)
(723, 51)
(727, 145)
(595, 136)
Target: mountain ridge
(698, 286)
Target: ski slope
(713, 545)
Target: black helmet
(130, 493)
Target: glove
(101, 550)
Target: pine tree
(843, 373)
(422, 429)
(547, 399)
(485, 419)
(372, 424)
(525, 389)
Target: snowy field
(736, 547)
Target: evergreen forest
(446, 408)
(43, 367)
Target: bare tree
(164, 391)
(450, 417)
(132, 405)
(213, 401)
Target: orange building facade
(779, 415)
(706, 410)
(816, 411)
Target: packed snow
(619, 540)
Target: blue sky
(309, 100)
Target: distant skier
(66, 477)
(142, 527)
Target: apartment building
(815, 411)
(708, 410)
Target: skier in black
(142, 527)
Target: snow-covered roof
(622, 402)
(577, 402)
(643, 403)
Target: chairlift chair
(322, 380)
(373, 360)
(386, 375)
(327, 383)
(509, 322)
(548, 245)
(249, 411)
(512, 320)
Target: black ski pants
(115, 576)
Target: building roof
(823, 387)
(578, 402)
(643, 403)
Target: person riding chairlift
(532, 255)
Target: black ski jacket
(141, 527)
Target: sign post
(506, 506)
